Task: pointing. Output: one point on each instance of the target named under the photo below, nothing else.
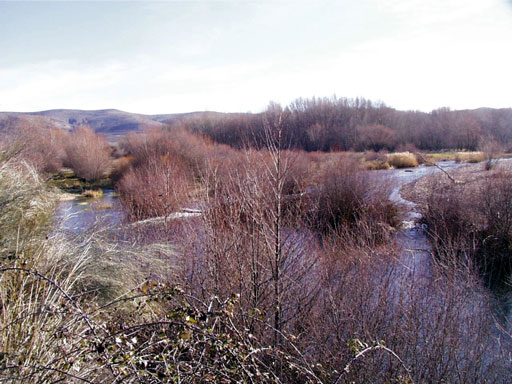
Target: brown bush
(435, 323)
(192, 150)
(36, 142)
(87, 154)
(157, 187)
(348, 198)
(472, 224)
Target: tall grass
(469, 157)
(402, 160)
(37, 280)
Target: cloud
(440, 54)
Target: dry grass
(93, 193)
(402, 160)
(376, 165)
(469, 157)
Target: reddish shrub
(157, 187)
(87, 154)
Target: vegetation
(470, 224)
(402, 160)
(292, 268)
(33, 141)
(87, 154)
(469, 157)
(339, 124)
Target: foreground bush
(53, 330)
(472, 224)
(348, 310)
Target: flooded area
(415, 255)
(400, 177)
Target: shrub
(348, 199)
(376, 165)
(157, 187)
(472, 225)
(434, 322)
(87, 154)
(402, 160)
(93, 193)
(34, 141)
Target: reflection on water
(80, 214)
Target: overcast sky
(179, 56)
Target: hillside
(109, 122)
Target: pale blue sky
(178, 56)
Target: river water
(80, 214)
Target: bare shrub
(119, 167)
(157, 187)
(439, 325)
(192, 150)
(253, 241)
(472, 224)
(87, 154)
(491, 150)
(35, 142)
(447, 214)
(348, 197)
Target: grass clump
(67, 181)
(93, 193)
(376, 165)
(402, 160)
(26, 208)
(469, 157)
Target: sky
(237, 56)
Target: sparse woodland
(292, 272)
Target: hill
(110, 122)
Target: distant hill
(110, 122)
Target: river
(79, 214)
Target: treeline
(332, 124)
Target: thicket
(55, 328)
(471, 224)
(340, 124)
(338, 293)
(292, 273)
